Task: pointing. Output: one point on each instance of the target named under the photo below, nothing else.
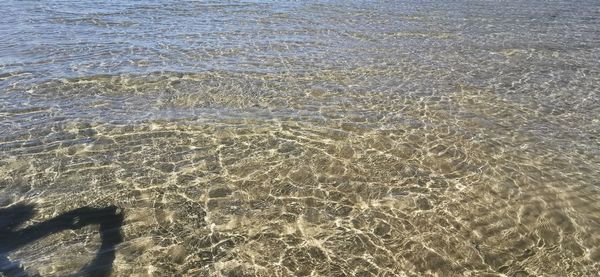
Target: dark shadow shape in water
(109, 219)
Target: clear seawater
(323, 138)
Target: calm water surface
(330, 138)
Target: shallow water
(324, 138)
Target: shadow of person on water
(109, 219)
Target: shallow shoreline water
(323, 138)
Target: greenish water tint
(324, 138)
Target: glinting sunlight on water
(311, 138)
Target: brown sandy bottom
(279, 138)
(363, 184)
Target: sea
(300, 138)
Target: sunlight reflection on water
(325, 138)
